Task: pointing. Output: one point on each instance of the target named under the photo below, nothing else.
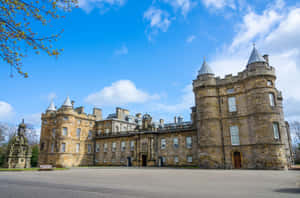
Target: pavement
(149, 182)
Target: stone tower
(66, 135)
(208, 124)
(19, 152)
(240, 122)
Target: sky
(144, 55)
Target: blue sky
(143, 55)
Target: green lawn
(27, 169)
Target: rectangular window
(106, 131)
(66, 118)
(97, 148)
(230, 91)
(63, 147)
(105, 147)
(78, 122)
(234, 133)
(163, 143)
(123, 146)
(131, 145)
(175, 142)
(65, 131)
(52, 148)
(231, 104)
(269, 83)
(276, 130)
(190, 159)
(113, 147)
(77, 148)
(78, 131)
(188, 142)
(53, 132)
(90, 134)
(99, 132)
(89, 148)
(272, 99)
(176, 160)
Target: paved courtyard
(149, 182)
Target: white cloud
(275, 32)
(187, 100)
(190, 38)
(219, 4)
(122, 51)
(159, 20)
(184, 5)
(6, 111)
(119, 93)
(89, 5)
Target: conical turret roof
(205, 69)
(255, 56)
(51, 106)
(67, 102)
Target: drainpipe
(222, 130)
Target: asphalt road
(149, 182)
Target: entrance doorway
(144, 160)
(160, 162)
(129, 163)
(237, 159)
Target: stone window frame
(163, 143)
(89, 148)
(65, 131)
(230, 90)
(234, 135)
(132, 144)
(78, 132)
(123, 147)
(270, 83)
(77, 147)
(175, 145)
(113, 147)
(53, 132)
(276, 130)
(232, 107)
(63, 147)
(97, 148)
(272, 100)
(90, 134)
(189, 159)
(105, 147)
(52, 147)
(189, 142)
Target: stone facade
(237, 122)
(19, 152)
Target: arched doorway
(237, 159)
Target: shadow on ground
(289, 190)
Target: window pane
(163, 143)
(231, 104)
(78, 132)
(189, 142)
(65, 131)
(63, 147)
(276, 130)
(234, 132)
(272, 99)
(77, 148)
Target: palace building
(237, 122)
